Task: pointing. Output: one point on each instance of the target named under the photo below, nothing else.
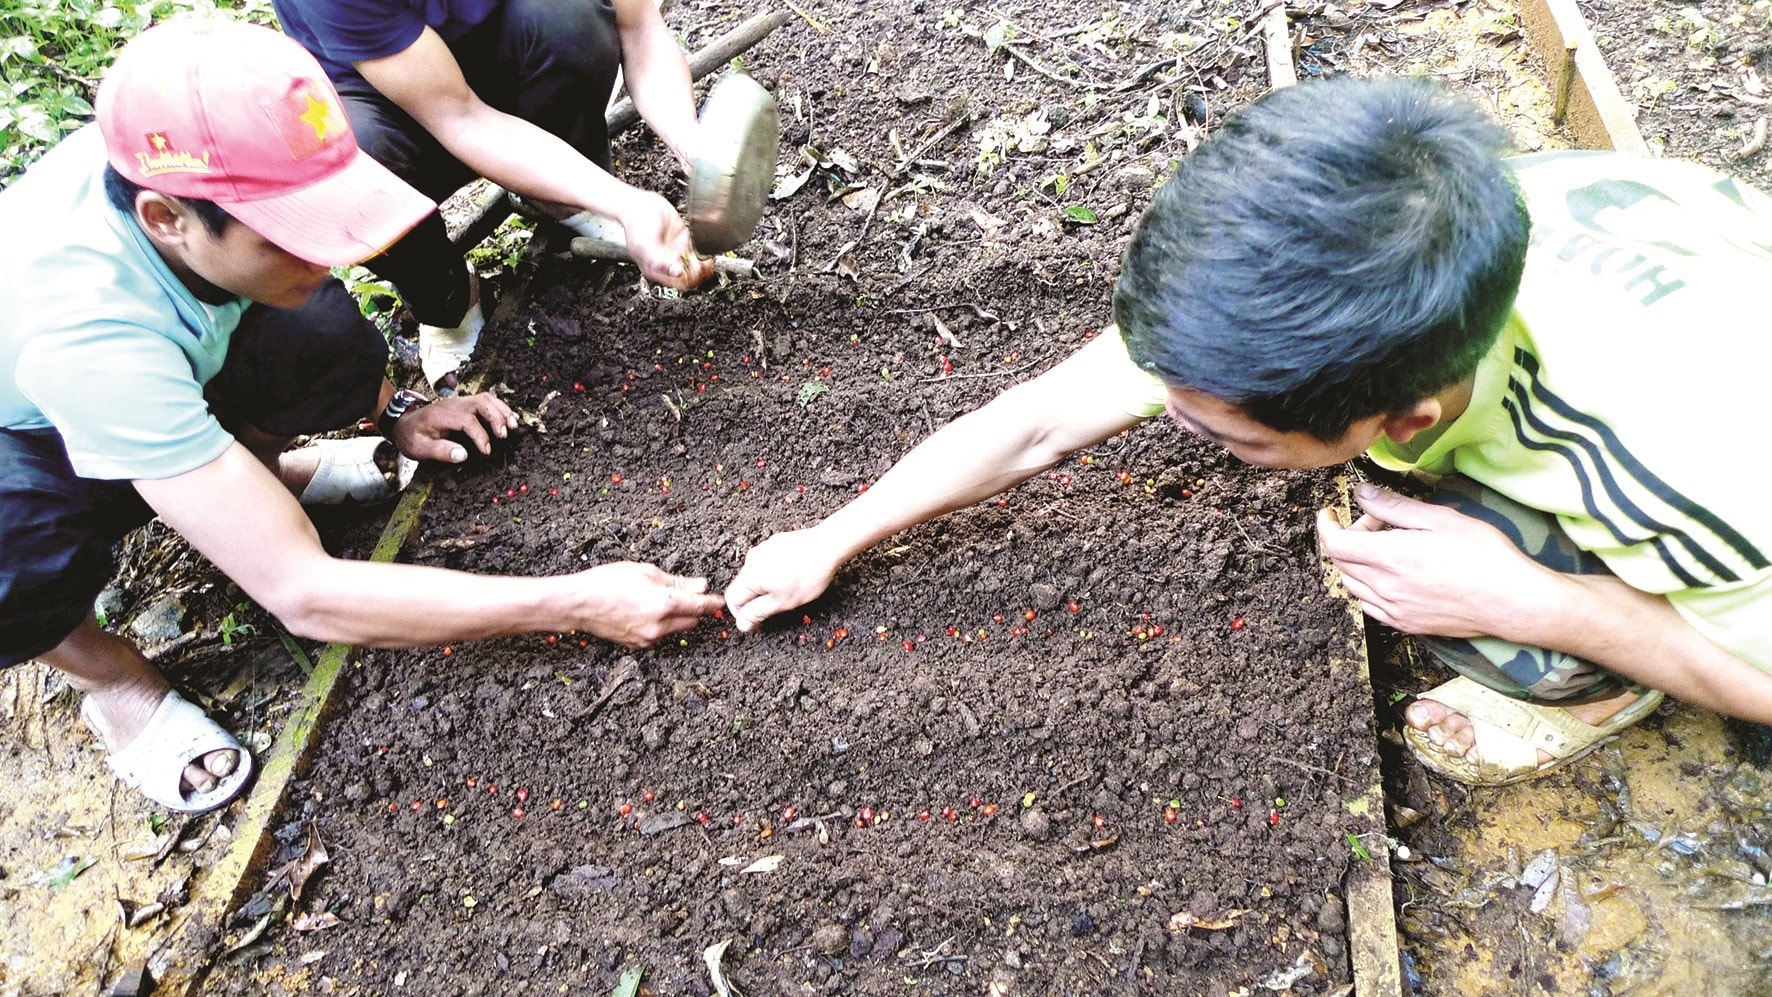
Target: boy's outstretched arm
(1018, 434)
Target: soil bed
(1112, 694)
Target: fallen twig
(1755, 143)
(1309, 767)
(705, 60)
(989, 373)
(960, 121)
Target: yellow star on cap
(317, 115)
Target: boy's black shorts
(289, 372)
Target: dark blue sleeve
(342, 32)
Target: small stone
(1034, 825)
(1043, 596)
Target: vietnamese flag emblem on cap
(308, 119)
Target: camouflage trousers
(1531, 673)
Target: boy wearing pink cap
(168, 332)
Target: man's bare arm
(238, 515)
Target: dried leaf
(1184, 921)
(862, 198)
(788, 185)
(768, 863)
(987, 223)
(711, 957)
(659, 823)
(315, 922)
(844, 161)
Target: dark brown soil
(1009, 746)
(1697, 72)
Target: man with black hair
(169, 325)
(1351, 267)
(444, 91)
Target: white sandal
(443, 350)
(347, 472)
(1509, 734)
(177, 735)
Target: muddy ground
(1026, 746)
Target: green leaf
(996, 36)
(629, 984)
(1360, 851)
(1081, 214)
(68, 870)
(300, 656)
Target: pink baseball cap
(243, 116)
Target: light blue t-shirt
(98, 338)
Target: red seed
(1029, 615)
(442, 802)
(806, 621)
(702, 817)
(787, 813)
(737, 819)
(1100, 821)
(989, 810)
(495, 500)
(974, 802)
(1170, 815)
(867, 814)
(615, 479)
(1273, 818)
(719, 614)
(492, 788)
(517, 813)
(910, 645)
(558, 803)
(472, 783)
(418, 804)
(625, 809)
(648, 796)
(522, 795)
(553, 491)
(523, 489)
(393, 808)
(996, 617)
(724, 635)
(922, 815)
(1237, 624)
(576, 386)
(553, 638)
(510, 493)
(447, 651)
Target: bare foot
(124, 709)
(1453, 731)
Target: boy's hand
(423, 433)
(782, 572)
(1427, 569)
(635, 604)
(658, 242)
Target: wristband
(404, 401)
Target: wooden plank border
(1588, 104)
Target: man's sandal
(178, 735)
(348, 472)
(443, 350)
(1510, 733)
